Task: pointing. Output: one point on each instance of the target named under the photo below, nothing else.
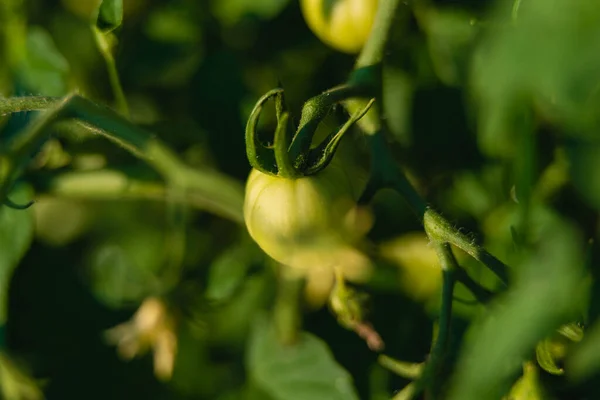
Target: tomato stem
(372, 52)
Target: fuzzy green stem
(372, 54)
(111, 67)
(27, 103)
(439, 229)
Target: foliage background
(486, 114)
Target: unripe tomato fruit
(344, 25)
(304, 223)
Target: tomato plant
(199, 200)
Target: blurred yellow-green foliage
(492, 108)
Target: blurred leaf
(559, 74)
(498, 344)
(584, 168)
(450, 38)
(16, 233)
(231, 11)
(419, 266)
(173, 25)
(110, 15)
(584, 361)
(397, 102)
(305, 371)
(195, 373)
(123, 269)
(231, 322)
(528, 386)
(44, 70)
(229, 270)
(59, 221)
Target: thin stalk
(111, 67)
(286, 313)
(373, 51)
(407, 393)
(27, 103)
(401, 368)
(108, 185)
(429, 378)
(482, 294)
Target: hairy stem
(219, 193)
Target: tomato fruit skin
(303, 223)
(344, 25)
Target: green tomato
(344, 25)
(307, 223)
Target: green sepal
(260, 156)
(313, 112)
(546, 355)
(321, 156)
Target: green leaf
(110, 15)
(397, 102)
(559, 74)
(16, 233)
(305, 371)
(450, 38)
(173, 25)
(44, 70)
(571, 331)
(228, 271)
(124, 268)
(548, 291)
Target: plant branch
(220, 193)
(401, 368)
(435, 364)
(482, 294)
(27, 103)
(112, 185)
(373, 51)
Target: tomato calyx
(291, 155)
